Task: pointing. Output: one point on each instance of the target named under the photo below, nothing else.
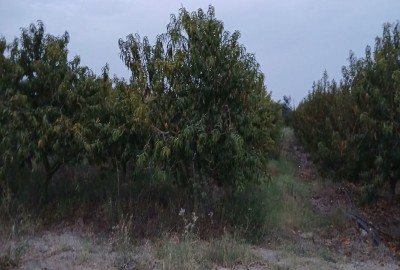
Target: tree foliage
(44, 97)
(353, 128)
(195, 112)
(211, 116)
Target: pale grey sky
(293, 40)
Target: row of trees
(353, 128)
(195, 111)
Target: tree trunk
(393, 182)
(50, 170)
(46, 188)
(124, 169)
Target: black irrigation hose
(367, 227)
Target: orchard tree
(119, 124)
(8, 75)
(43, 94)
(287, 109)
(377, 89)
(354, 128)
(211, 116)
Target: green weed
(122, 240)
(228, 251)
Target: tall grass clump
(228, 251)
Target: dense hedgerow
(353, 128)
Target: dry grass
(191, 253)
(228, 251)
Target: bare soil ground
(75, 249)
(78, 245)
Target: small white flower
(194, 217)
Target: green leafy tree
(377, 89)
(354, 128)
(287, 109)
(43, 94)
(119, 125)
(210, 114)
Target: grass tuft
(228, 251)
(122, 241)
(175, 253)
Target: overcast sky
(293, 40)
